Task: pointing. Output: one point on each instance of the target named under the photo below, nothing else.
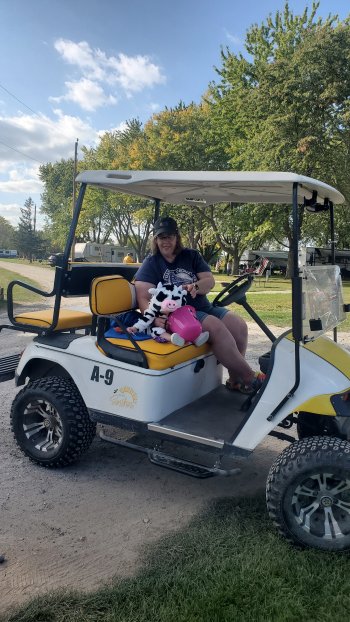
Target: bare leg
(226, 350)
(238, 329)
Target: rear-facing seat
(67, 320)
(111, 295)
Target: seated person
(170, 262)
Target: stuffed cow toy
(169, 301)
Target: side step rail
(171, 462)
(8, 366)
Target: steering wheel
(235, 291)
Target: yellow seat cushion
(164, 355)
(67, 319)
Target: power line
(19, 100)
(20, 152)
(31, 110)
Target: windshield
(323, 305)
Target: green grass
(273, 301)
(228, 565)
(20, 295)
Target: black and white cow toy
(169, 301)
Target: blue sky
(76, 68)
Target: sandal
(247, 389)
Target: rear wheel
(308, 493)
(50, 422)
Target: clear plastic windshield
(323, 305)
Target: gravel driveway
(80, 526)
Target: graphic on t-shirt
(179, 276)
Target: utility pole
(34, 220)
(74, 188)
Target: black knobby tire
(308, 493)
(50, 422)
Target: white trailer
(106, 253)
(5, 254)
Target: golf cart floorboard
(210, 420)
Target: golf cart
(172, 400)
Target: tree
(105, 214)
(26, 237)
(56, 200)
(286, 106)
(7, 234)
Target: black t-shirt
(183, 270)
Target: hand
(131, 329)
(191, 289)
(160, 322)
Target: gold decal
(125, 397)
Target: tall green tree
(105, 215)
(7, 234)
(57, 199)
(26, 237)
(285, 104)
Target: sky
(74, 69)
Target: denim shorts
(219, 312)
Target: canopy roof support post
(296, 302)
(73, 226)
(297, 309)
(331, 222)
(156, 209)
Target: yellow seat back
(111, 294)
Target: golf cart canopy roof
(208, 187)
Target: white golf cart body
(166, 400)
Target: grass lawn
(20, 294)
(228, 565)
(273, 301)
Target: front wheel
(308, 493)
(50, 422)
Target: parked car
(55, 259)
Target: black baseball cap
(165, 225)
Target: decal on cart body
(125, 397)
(107, 377)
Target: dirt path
(44, 276)
(80, 526)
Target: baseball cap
(165, 225)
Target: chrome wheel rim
(42, 426)
(321, 506)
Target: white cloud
(10, 211)
(135, 73)
(25, 186)
(41, 138)
(118, 128)
(131, 73)
(232, 38)
(89, 61)
(87, 94)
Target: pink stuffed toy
(168, 301)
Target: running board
(188, 468)
(171, 462)
(8, 366)
(162, 429)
